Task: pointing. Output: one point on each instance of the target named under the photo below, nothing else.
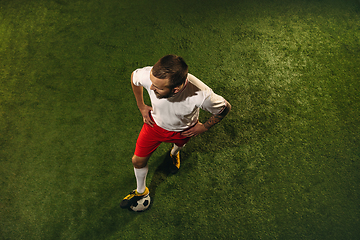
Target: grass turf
(283, 165)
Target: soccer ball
(142, 204)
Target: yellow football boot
(133, 197)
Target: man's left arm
(214, 119)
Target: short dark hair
(171, 67)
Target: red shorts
(151, 137)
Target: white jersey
(180, 111)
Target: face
(160, 87)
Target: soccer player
(176, 97)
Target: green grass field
(284, 164)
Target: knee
(139, 162)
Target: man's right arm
(144, 109)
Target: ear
(176, 89)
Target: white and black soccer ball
(141, 205)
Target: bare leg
(140, 162)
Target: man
(176, 97)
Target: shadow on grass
(165, 169)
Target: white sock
(140, 174)
(176, 149)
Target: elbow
(226, 110)
(228, 105)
